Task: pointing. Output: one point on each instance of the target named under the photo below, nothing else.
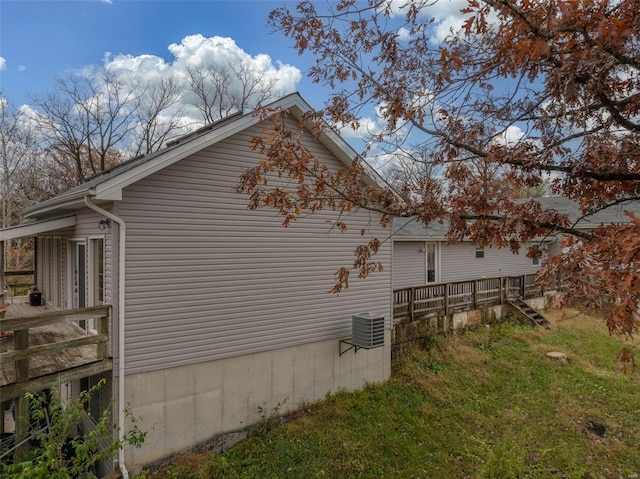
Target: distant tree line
(93, 119)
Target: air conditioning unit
(367, 330)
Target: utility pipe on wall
(121, 316)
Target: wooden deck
(419, 302)
(42, 347)
(19, 307)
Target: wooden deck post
(28, 347)
(2, 280)
(103, 328)
(446, 299)
(475, 294)
(22, 413)
(35, 260)
(412, 296)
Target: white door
(431, 257)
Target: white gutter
(121, 264)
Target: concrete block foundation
(182, 407)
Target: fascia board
(56, 204)
(398, 238)
(33, 229)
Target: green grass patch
(484, 404)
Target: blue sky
(40, 40)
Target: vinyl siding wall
(409, 264)
(456, 262)
(459, 263)
(209, 279)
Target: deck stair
(527, 313)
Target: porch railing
(17, 282)
(26, 347)
(22, 350)
(411, 304)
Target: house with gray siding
(615, 214)
(218, 312)
(422, 255)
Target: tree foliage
(17, 152)
(158, 115)
(61, 448)
(96, 117)
(533, 91)
(223, 89)
(86, 119)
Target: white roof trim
(112, 189)
(34, 229)
(422, 239)
(72, 201)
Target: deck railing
(22, 350)
(17, 282)
(411, 304)
(27, 346)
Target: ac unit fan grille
(367, 330)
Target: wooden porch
(415, 303)
(42, 348)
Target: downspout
(121, 264)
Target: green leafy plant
(59, 446)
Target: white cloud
(3, 63)
(511, 136)
(30, 119)
(196, 51)
(384, 162)
(447, 16)
(365, 129)
(370, 127)
(403, 34)
(144, 75)
(21, 68)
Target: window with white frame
(535, 261)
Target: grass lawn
(485, 404)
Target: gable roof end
(108, 185)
